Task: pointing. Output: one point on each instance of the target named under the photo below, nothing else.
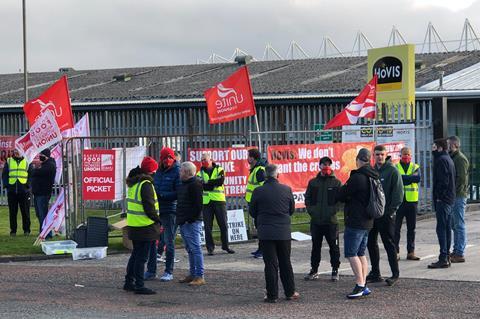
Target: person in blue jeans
(166, 181)
(189, 218)
(443, 200)
(462, 166)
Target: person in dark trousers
(142, 221)
(385, 225)
(410, 173)
(255, 179)
(443, 199)
(166, 181)
(42, 179)
(356, 194)
(189, 218)
(272, 205)
(15, 178)
(320, 203)
(214, 202)
(462, 167)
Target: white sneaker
(161, 259)
(166, 277)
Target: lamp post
(25, 75)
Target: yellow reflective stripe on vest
(136, 216)
(411, 191)
(17, 171)
(253, 183)
(218, 193)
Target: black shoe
(27, 233)
(13, 234)
(230, 251)
(374, 278)
(439, 264)
(128, 287)
(144, 291)
(335, 276)
(270, 300)
(210, 252)
(356, 293)
(391, 281)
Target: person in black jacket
(189, 218)
(42, 178)
(356, 194)
(15, 180)
(443, 199)
(271, 205)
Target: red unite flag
(231, 99)
(364, 105)
(55, 100)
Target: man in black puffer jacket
(355, 194)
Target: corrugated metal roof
(466, 79)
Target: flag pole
(258, 134)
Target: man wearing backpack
(393, 187)
(356, 196)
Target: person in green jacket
(320, 203)
(461, 193)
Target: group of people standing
(191, 196)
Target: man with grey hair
(461, 193)
(271, 205)
(189, 218)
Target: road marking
(329, 272)
(428, 257)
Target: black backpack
(376, 203)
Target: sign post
(322, 136)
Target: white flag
(55, 216)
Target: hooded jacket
(320, 199)
(42, 178)
(356, 194)
(150, 232)
(166, 181)
(190, 201)
(443, 178)
(392, 186)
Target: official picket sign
(98, 181)
(237, 230)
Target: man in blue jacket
(166, 181)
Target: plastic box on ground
(89, 253)
(58, 247)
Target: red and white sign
(98, 174)
(55, 216)
(42, 134)
(231, 99)
(297, 164)
(234, 163)
(56, 154)
(56, 101)
(81, 129)
(7, 145)
(364, 105)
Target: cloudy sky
(95, 34)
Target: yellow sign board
(395, 68)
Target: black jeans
(409, 211)
(276, 256)
(136, 263)
(330, 232)
(219, 211)
(386, 227)
(19, 199)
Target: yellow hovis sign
(395, 68)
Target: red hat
(149, 165)
(166, 152)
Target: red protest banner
(55, 100)
(298, 164)
(234, 162)
(98, 174)
(231, 99)
(7, 145)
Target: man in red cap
(142, 221)
(166, 181)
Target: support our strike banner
(7, 145)
(234, 162)
(98, 174)
(298, 164)
(42, 134)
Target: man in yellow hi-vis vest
(255, 178)
(214, 203)
(411, 177)
(15, 179)
(143, 223)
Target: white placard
(237, 230)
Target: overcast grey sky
(97, 34)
